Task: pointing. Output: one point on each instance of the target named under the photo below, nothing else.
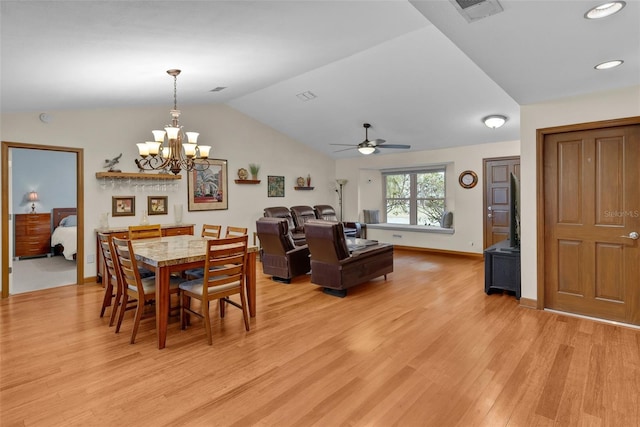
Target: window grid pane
(430, 211)
(398, 186)
(416, 198)
(398, 211)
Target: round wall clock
(468, 179)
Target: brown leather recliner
(279, 255)
(326, 212)
(283, 212)
(302, 214)
(334, 268)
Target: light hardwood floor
(425, 348)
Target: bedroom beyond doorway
(33, 274)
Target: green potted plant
(254, 169)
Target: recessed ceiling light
(604, 10)
(609, 64)
(494, 121)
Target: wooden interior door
(592, 217)
(497, 197)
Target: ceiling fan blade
(345, 149)
(395, 146)
(345, 145)
(377, 141)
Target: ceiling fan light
(366, 150)
(494, 121)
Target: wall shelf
(303, 188)
(137, 175)
(247, 181)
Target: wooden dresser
(123, 233)
(32, 234)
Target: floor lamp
(341, 183)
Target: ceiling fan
(368, 147)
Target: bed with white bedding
(64, 238)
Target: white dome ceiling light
(609, 64)
(494, 121)
(604, 10)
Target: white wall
(103, 134)
(364, 191)
(607, 105)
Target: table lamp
(33, 197)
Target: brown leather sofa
(326, 212)
(280, 257)
(283, 212)
(334, 268)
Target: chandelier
(176, 155)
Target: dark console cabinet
(502, 269)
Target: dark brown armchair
(326, 212)
(334, 268)
(283, 212)
(302, 214)
(280, 257)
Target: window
(415, 197)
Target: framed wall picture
(207, 186)
(275, 186)
(157, 205)
(123, 206)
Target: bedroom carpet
(29, 274)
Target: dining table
(175, 254)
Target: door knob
(489, 216)
(633, 235)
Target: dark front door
(496, 189)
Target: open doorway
(9, 210)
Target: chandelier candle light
(177, 155)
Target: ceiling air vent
(473, 10)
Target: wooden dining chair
(211, 231)
(113, 267)
(111, 297)
(144, 231)
(138, 292)
(235, 231)
(224, 276)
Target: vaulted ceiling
(417, 71)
